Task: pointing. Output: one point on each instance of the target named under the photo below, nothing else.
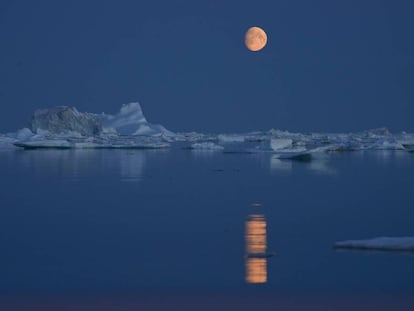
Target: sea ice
(230, 138)
(207, 146)
(66, 127)
(6, 142)
(380, 243)
(120, 142)
(47, 144)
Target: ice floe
(207, 146)
(278, 144)
(231, 138)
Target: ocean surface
(136, 229)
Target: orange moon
(255, 39)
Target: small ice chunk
(279, 143)
(23, 134)
(206, 146)
(6, 142)
(231, 138)
(387, 145)
(378, 132)
(380, 243)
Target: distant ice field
(67, 128)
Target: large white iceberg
(65, 127)
(380, 243)
(130, 120)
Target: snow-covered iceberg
(64, 119)
(130, 120)
(65, 127)
(380, 243)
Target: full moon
(255, 39)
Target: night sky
(328, 66)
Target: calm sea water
(115, 222)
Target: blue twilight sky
(328, 66)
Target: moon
(255, 39)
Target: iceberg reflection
(319, 164)
(131, 166)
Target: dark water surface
(179, 223)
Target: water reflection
(80, 163)
(131, 166)
(279, 165)
(70, 164)
(256, 247)
(318, 164)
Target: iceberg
(278, 143)
(130, 120)
(65, 127)
(379, 243)
(63, 119)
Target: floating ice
(66, 127)
(279, 143)
(41, 144)
(6, 142)
(380, 243)
(231, 138)
(207, 146)
(117, 142)
(23, 134)
(63, 119)
(130, 120)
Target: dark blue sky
(328, 66)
